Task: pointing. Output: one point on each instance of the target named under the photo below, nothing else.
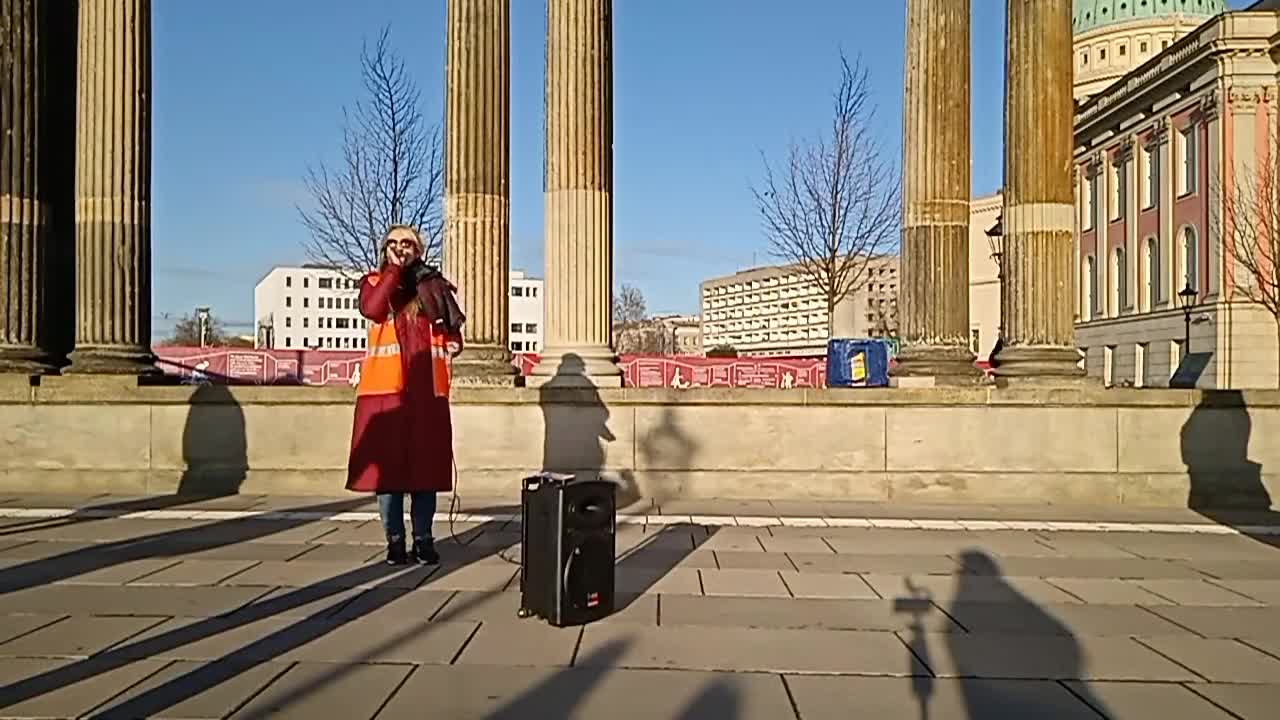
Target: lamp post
(1187, 296)
(202, 317)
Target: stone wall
(1139, 447)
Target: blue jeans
(422, 509)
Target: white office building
(316, 308)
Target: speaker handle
(568, 567)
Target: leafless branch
(391, 170)
(834, 205)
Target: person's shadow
(1226, 486)
(214, 445)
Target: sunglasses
(405, 243)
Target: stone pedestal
(27, 184)
(933, 309)
(1037, 261)
(477, 183)
(579, 197)
(113, 189)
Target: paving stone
(749, 650)
(659, 558)
(512, 641)
(485, 578)
(315, 603)
(76, 636)
(192, 691)
(731, 560)
(1100, 591)
(463, 693)
(1042, 657)
(300, 573)
(59, 550)
(375, 640)
(639, 610)
(1151, 701)
(753, 583)
(874, 564)
(841, 698)
(1109, 568)
(1195, 592)
(1065, 620)
(195, 573)
(825, 585)
(263, 551)
(972, 588)
(1192, 547)
(1247, 702)
(1239, 569)
(680, 581)
(12, 626)
(366, 533)
(1218, 660)
(333, 553)
(795, 544)
(393, 604)
(1266, 592)
(336, 691)
(1221, 622)
(234, 639)
(717, 507)
(797, 614)
(735, 542)
(65, 688)
(1091, 545)
(129, 600)
(120, 574)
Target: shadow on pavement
(1226, 486)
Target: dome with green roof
(1089, 15)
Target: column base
(112, 360)
(576, 366)
(26, 360)
(485, 366)
(935, 366)
(1041, 366)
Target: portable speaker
(567, 549)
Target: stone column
(113, 189)
(933, 311)
(1036, 303)
(26, 184)
(477, 181)
(579, 196)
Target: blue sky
(246, 94)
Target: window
(1117, 190)
(1187, 153)
(1090, 289)
(343, 323)
(1102, 53)
(1140, 365)
(1153, 275)
(1123, 49)
(346, 343)
(306, 282)
(1108, 366)
(306, 322)
(304, 343)
(325, 283)
(288, 281)
(975, 341)
(1142, 47)
(288, 322)
(328, 342)
(1150, 177)
(516, 327)
(1090, 201)
(1084, 59)
(531, 327)
(517, 291)
(1120, 280)
(328, 323)
(306, 302)
(517, 345)
(346, 303)
(1190, 259)
(533, 292)
(288, 341)
(288, 301)
(1164, 44)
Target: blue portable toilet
(857, 363)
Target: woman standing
(402, 441)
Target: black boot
(396, 554)
(424, 551)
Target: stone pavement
(249, 607)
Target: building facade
(1112, 37)
(779, 311)
(984, 276)
(317, 308)
(1154, 156)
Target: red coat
(402, 442)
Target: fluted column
(477, 180)
(113, 189)
(579, 195)
(26, 184)
(1038, 220)
(933, 310)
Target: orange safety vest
(382, 371)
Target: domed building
(1114, 36)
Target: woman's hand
(454, 348)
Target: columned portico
(579, 196)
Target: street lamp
(995, 241)
(202, 316)
(1187, 297)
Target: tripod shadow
(1226, 486)
(214, 444)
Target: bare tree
(1251, 228)
(833, 206)
(391, 171)
(628, 307)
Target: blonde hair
(414, 305)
